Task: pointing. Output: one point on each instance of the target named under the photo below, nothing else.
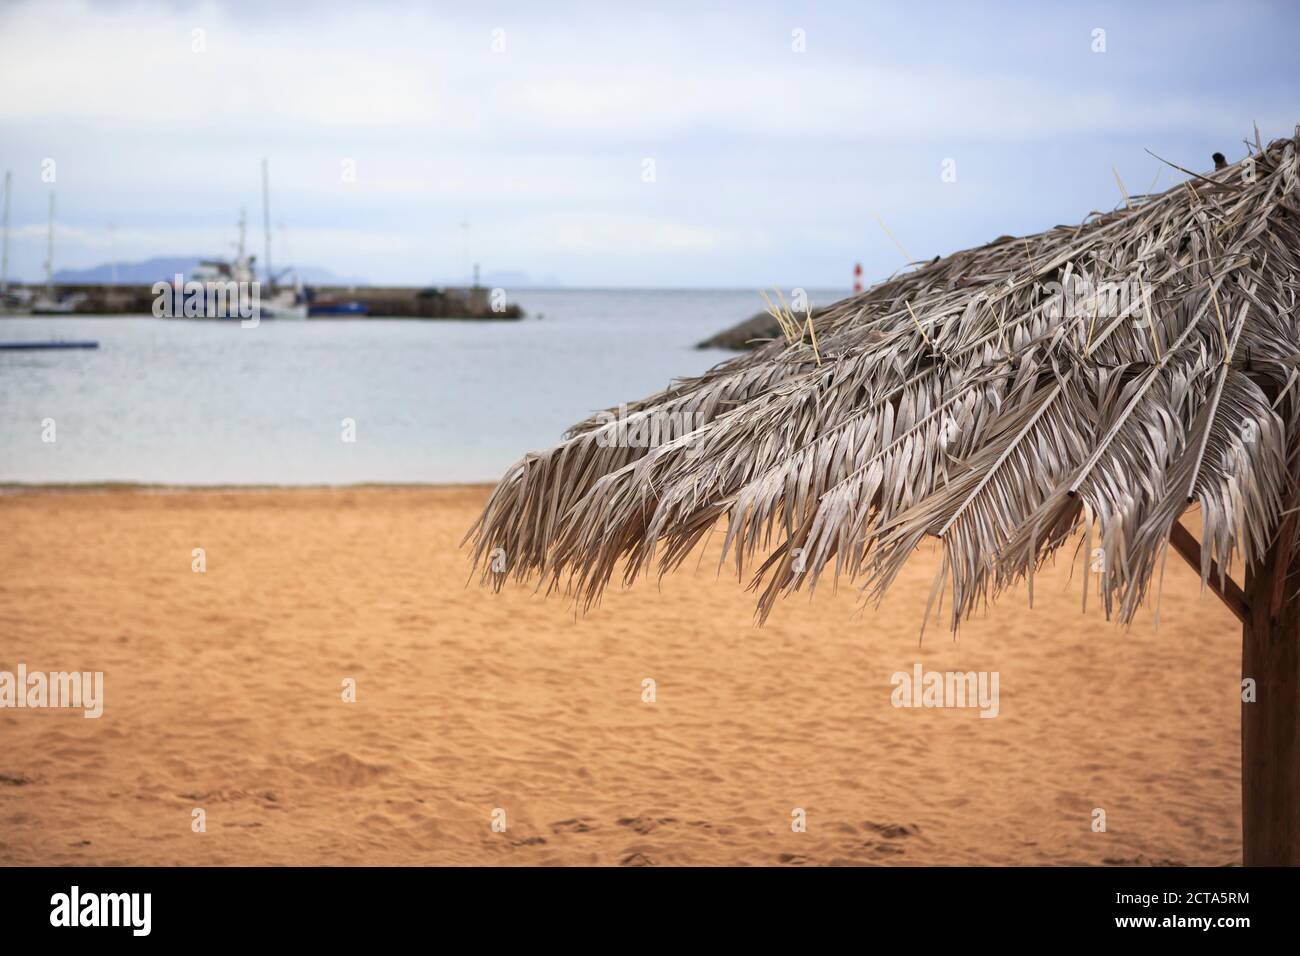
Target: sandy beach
(224, 693)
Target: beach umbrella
(1101, 384)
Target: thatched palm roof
(1104, 376)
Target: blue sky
(533, 123)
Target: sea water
(340, 401)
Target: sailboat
(282, 303)
(50, 303)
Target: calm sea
(205, 402)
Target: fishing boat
(230, 289)
(219, 288)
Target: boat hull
(327, 309)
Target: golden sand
(224, 693)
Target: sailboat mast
(49, 255)
(4, 253)
(266, 221)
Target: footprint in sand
(343, 770)
(644, 825)
(580, 825)
(892, 831)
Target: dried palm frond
(1104, 377)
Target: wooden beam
(1229, 592)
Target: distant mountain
(131, 273)
(166, 267)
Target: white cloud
(758, 149)
(392, 69)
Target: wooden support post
(1270, 724)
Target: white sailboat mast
(49, 255)
(266, 221)
(4, 253)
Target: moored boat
(331, 307)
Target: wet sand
(224, 693)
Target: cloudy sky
(614, 145)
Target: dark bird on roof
(1220, 161)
